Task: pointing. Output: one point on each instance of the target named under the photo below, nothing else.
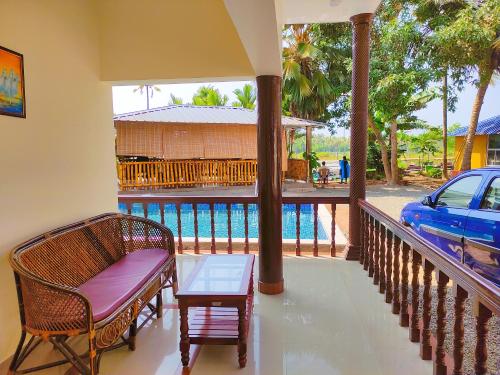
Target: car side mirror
(428, 201)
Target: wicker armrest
(141, 233)
(49, 307)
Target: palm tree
(245, 97)
(175, 100)
(209, 95)
(306, 89)
(148, 88)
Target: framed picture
(12, 99)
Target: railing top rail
(164, 198)
(477, 287)
(251, 199)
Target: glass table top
(224, 274)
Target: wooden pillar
(308, 151)
(359, 116)
(269, 184)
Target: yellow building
(486, 147)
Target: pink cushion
(116, 284)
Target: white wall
(57, 165)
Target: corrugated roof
(485, 127)
(186, 113)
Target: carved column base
(426, 352)
(352, 252)
(404, 320)
(439, 369)
(414, 335)
(271, 288)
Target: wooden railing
(390, 253)
(297, 245)
(176, 173)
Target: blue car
(462, 218)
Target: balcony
(399, 306)
(332, 318)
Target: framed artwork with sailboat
(12, 96)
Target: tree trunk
(308, 153)
(383, 149)
(476, 109)
(394, 153)
(445, 125)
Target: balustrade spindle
(245, 212)
(382, 255)
(146, 226)
(372, 246)
(425, 340)
(196, 239)
(404, 318)
(333, 250)
(483, 314)
(213, 250)
(366, 260)
(439, 364)
(179, 228)
(229, 239)
(415, 294)
(396, 305)
(458, 330)
(162, 213)
(315, 243)
(297, 229)
(376, 254)
(362, 251)
(388, 270)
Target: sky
(125, 100)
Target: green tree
(471, 43)
(245, 97)
(427, 143)
(209, 95)
(175, 100)
(399, 78)
(307, 91)
(434, 15)
(150, 89)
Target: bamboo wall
(180, 141)
(185, 173)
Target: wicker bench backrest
(73, 255)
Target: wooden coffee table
(218, 297)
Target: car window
(492, 197)
(460, 193)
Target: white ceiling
(259, 24)
(324, 11)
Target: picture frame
(12, 84)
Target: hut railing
(246, 244)
(185, 173)
(398, 260)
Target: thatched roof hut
(194, 132)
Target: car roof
(490, 169)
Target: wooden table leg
(184, 344)
(242, 336)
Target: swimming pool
(237, 220)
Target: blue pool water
(237, 220)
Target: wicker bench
(92, 278)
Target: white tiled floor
(330, 320)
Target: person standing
(344, 170)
